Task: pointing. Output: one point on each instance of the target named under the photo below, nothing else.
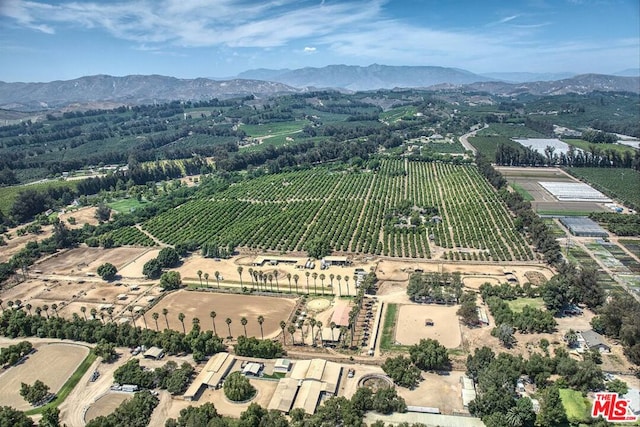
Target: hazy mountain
(583, 83)
(373, 77)
(262, 74)
(629, 72)
(516, 77)
(129, 89)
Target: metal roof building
(212, 374)
(583, 227)
(341, 313)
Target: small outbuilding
(282, 366)
(252, 369)
(591, 340)
(155, 353)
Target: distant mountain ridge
(140, 89)
(135, 89)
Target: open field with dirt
(106, 405)
(17, 243)
(134, 268)
(52, 364)
(86, 260)
(82, 216)
(200, 304)
(411, 328)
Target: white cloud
(309, 49)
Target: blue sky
(43, 40)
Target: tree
(295, 280)
(152, 269)
(289, 279)
(283, 325)
(318, 248)
(479, 361)
(387, 401)
(228, 322)
(107, 271)
(155, 317)
(165, 311)
(430, 355)
(10, 417)
(260, 322)
(213, 315)
(571, 338)
(181, 319)
(106, 350)
(83, 309)
(618, 386)
(240, 274)
(50, 417)
(34, 393)
(315, 277)
(292, 330)
(217, 276)
(168, 257)
(504, 333)
(552, 412)
(468, 311)
(312, 323)
(170, 280)
(206, 278)
(103, 212)
(243, 322)
(401, 371)
(238, 388)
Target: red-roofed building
(341, 313)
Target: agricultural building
(591, 340)
(155, 353)
(252, 368)
(341, 313)
(336, 260)
(211, 375)
(574, 192)
(308, 382)
(330, 336)
(583, 227)
(282, 366)
(468, 390)
(273, 260)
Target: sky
(45, 40)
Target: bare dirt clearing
(87, 260)
(106, 405)
(411, 327)
(134, 268)
(52, 364)
(82, 216)
(200, 304)
(436, 391)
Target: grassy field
(555, 228)
(511, 130)
(398, 113)
(487, 145)
(619, 183)
(586, 145)
(575, 405)
(518, 304)
(524, 193)
(273, 129)
(8, 194)
(386, 340)
(126, 205)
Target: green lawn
(575, 405)
(126, 205)
(386, 341)
(518, 304)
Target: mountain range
(140, 89)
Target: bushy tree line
(253, 347)
(34, 393)
(135, 412)
(170, 377)
(438, 287)
(427, 355)
(10, 355)
(572, 285)
(15, 323)
(621, 225)
(618, 319)
(529, 320)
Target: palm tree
(331, 277)
(28, 307)
(307, 274)
(332, 325)
(155, 316)
(275, 274)
(315, 288)
(93, 313)
(206, 277)
(102, 316)
(217, 275)
(292, 330)
(260, 322)
(144, 319)
(199, 273)
(45, 307)
(295, 279)
(319, 325)
(228, 322)
(195, 324)
(54, 307)
(322, 277)
(283, 325)
(270, 277)
(166, 319)
(346, 282)
(251, 276)
(339, 278)
(181, 319)
(240, 274)
(255, 279)
(312, 323)
(213, 315)
(243, 322)
(110, 311)
(83, 309)
(130, 308)
(343, 334)
(289, 279)
(38, 311)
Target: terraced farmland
(406, 209)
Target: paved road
(464, 140)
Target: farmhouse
(341, 313)
(211, 375)
(590, 340)
(583, 227)
(309, 381)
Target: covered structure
(591, 340)
(282, 366)
(155, 353)
(336, 260)
(211, 375)
(252, 368)
(274, 260)
(330, 336)
(583, 227)
(341, 313)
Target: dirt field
(83, 216)
(200, 304)
(106, 405)
(411, 328)
(86, 260)
(436, 391)
(134, 268)
(475, 282)
(16, 243)
(52, 364)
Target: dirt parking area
(86, 260)
(52, 364)
(411, 326)
(200, 304)
(106, 405)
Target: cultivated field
(411, 328)
(106, 405)
(200, 304)
(52, 364)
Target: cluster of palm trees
(206, 276)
